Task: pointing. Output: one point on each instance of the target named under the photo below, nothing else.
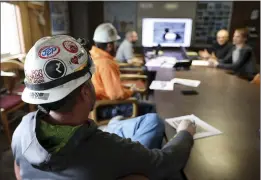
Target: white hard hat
(105, 33)
(54, 67)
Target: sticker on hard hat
(75, 59)
(54, 69)
(48, 52)
(70, 46)
(37, 95)
(35, 76)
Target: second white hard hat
(105, 33)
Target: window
(10, 40)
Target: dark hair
(166, 29)
(64, 105)
(243, 32)
(103, 46)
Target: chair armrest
(129, 65)
(133, 76)
(7, 74)
(135, 69)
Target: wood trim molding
(25, 25)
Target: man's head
(105, 36)
(132, 36)
(240, 36)
(166, 30)
(58, 71)
(222, 37)
(80, 102)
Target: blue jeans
(147, 129)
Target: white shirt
(235, 55)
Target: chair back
(101, 104)
(12, 66)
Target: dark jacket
(221, 51)
(96, 155)
(245, 65)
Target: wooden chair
(11, 101)
(102, 103)
(17, 68)
(130, 70)
(139, 81)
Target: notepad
(192, 53)
(200, 63)
(203, 129)
(162, 61)
(162, 85)
(186, 82)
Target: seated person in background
(240, 59)
(125, 51)
(106, 79)
(59, 141)
(220, 49)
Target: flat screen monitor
(168, 32)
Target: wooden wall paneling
(31, 30)
(39, 30)
(95, 15)
(25, 25)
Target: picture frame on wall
(59, 17)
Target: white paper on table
(199, 63)
(154, 63)
(202, 128)
(186, 82)
(162, 85)
(162, 61)
(192, 53)
(167, 65)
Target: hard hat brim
(54, 94)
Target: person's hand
(134, 88)
(204, 54)
(213, 56)
(187, 125)
(212, 63)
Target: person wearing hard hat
(125, 52)
(59, 141)
(106, 80)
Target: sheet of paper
(167, 65)
(203, 129)
(199, 63)
(162, 85)
(154, 63)
(192, 53)
(162, 61)
(186, 82)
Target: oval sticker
(70, 46)
(48, 52)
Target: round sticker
(48, 51)
(54, 69)
(70, 46)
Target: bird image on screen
(166, 32)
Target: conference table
(226, 102)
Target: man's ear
(109, 47)
(84, 92)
